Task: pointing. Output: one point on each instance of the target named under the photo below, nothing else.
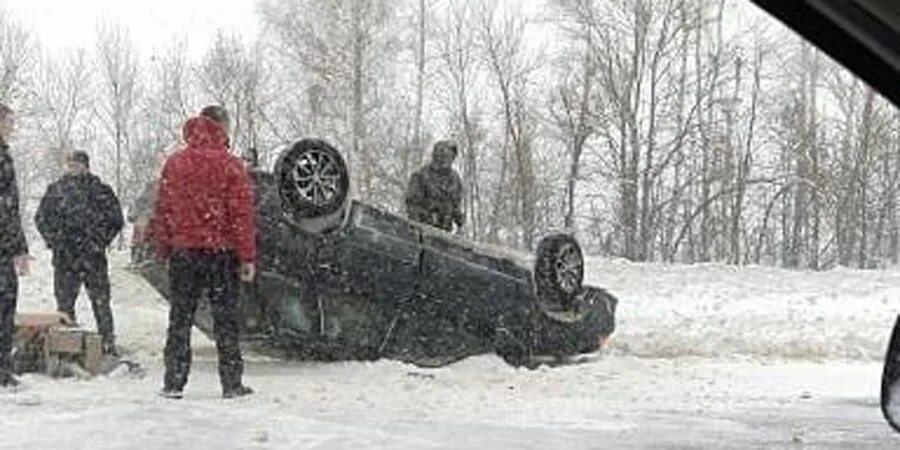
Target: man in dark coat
(204, 224)
(434, 194)
(78, 218)
(13, 249)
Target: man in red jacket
(204, 224)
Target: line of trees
(657, 130)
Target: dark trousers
(67, 282)
(191, 274)
(9, 286)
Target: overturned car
(340, 279)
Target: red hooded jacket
(205, 198)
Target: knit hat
(80, 157)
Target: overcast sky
(61, 24)
(154, 24)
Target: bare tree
(456, 48)
(638, 84)
(170, 95)
(17, 66)
(232, 75)
(64, 89)
(17, 52)
(501, 36)
(744, 157)
(117, 60)
(421, 45)
(166, 100)
(685, 139)
(571, 105)
(339, 46)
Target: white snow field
(708, 357)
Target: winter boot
(239, 391)
(171, 393)
(8, 381)
(109, 346)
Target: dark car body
(378, 285)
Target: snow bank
(749, 312)
(665, 311)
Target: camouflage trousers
(9, 285)
(435, 219)
(192, 274)
(67, 282)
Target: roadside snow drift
(713, 311)
(749, 312)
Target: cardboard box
(41, 320)
(65, 340)
(92, 358)
(48, 342)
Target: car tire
(314, 185)
(558, 272)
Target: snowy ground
(704, 357)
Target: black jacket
(12, 238)
(78, 218)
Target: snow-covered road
(619, 402)
(705, 357)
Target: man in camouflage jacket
(434, 194)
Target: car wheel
(313, 184)
(558, 272)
